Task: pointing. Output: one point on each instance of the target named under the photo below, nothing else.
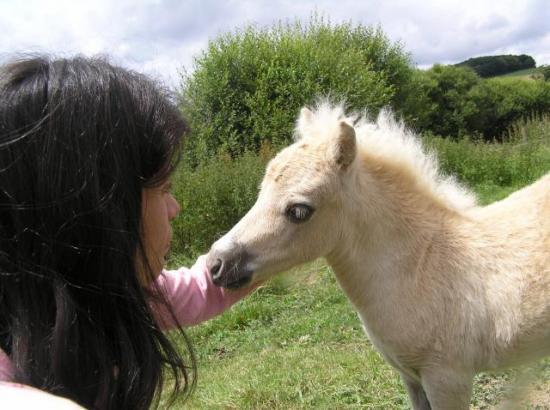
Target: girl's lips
(166, 253)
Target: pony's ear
(305, 119)
(346, 146)
(306, 116)
(304, 122)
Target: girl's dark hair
(79, 140)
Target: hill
(490, 66)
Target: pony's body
(444, 288)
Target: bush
(490, 66)
(545, 72)
(453, 101)
(501, 101)
(439, 103)
(213, 197)
(248, 86)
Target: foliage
(213, 196)
(499, 102)
(438, 105)
(545, 72)
(490, 66)
(523, 157)
(453, 102)
(249, 85)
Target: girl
(86, 154)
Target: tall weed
(523, 157)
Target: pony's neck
(391, 224)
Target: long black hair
(79, 141)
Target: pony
(444, 288)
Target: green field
(527, 73)
(296, 343)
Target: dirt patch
(527, 389)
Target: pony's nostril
(216, 268)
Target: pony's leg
(416, 393)
(447, 389)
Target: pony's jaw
(249, 253)
(268, 240)
(233, 265)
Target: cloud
(449, 32)
(160, 37)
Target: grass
(296, 343)
(528, 73)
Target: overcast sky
(159, 37)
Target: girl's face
(158, 208)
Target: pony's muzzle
(228, 269)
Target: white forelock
(389, 139)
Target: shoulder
(20, 396)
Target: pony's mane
(389, 139)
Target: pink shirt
(193, 299)
(193, 296)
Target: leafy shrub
(213, 197)
(490, 66)
(439, 103)
(248, 86)
(453, 102)
(545, 72)
(501, 101)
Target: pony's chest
(391, 351)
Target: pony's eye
(298, 213)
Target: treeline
(491, 66)
(455, 102)
(246, 90)
(248, 86)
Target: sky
(162, 37)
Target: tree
(490, 66)
(442, 99)
(248, 86)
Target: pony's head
(330, 183)
(297, 215)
